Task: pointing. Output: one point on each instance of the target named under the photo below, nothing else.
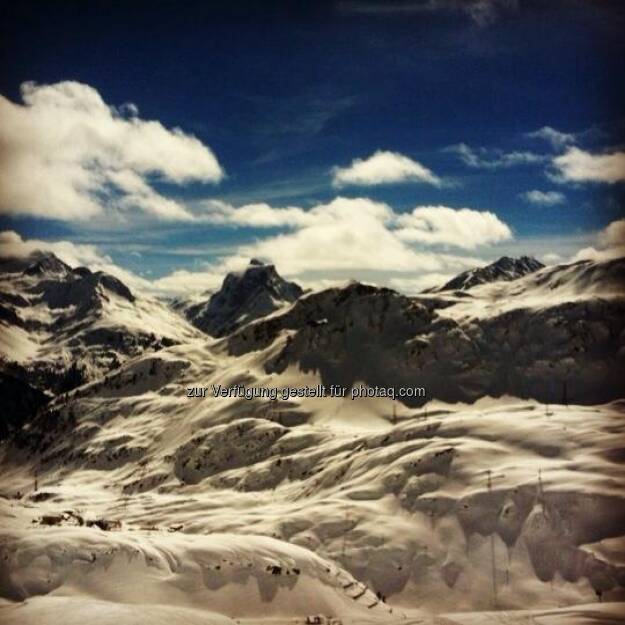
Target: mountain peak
(245, 295)
(505, 268)
(46, 263)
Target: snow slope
(60, 326)
(126, 494)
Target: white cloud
(441, 225)
(343, 234)
(543, 198)
(483, 158)
(259, 215)
(383, 167)
(412, 286)
(555, 138)
(610, 244)
(66, 154)
(359, 234)
(551, 258)
(429, 225)
(184, 282)
(136, 193)
(345, 238)
(72, 254)
(576, 165)
(613, 235)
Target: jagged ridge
(505, 268)
(61, 326)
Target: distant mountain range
(62, 327)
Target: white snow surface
(128, 502)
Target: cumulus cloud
(343, 234)
(543, 198)
(441, 225)
(383, 167)
(610, 244)
(483, 158)
(577, 165)
(184, 282)
(613, 235)
(364, 235)
(555, 138)
(339, 235)
(257, 215)
(66, 154)
(359, 235)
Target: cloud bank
(65, 154)
(610, 244)
(73, 254)
(344, 238)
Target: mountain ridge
(63, 324)
(504, 268)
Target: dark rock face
(81, 290)
(243, 297)
(48, 264)
(505, 268)
(20, 401)
(58, 284)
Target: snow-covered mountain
(61, 326)
(244, 296)
(555, 335)
(505, 268)
(367, 511)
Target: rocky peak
(245, 295)
(505, 268)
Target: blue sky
(283, 98)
